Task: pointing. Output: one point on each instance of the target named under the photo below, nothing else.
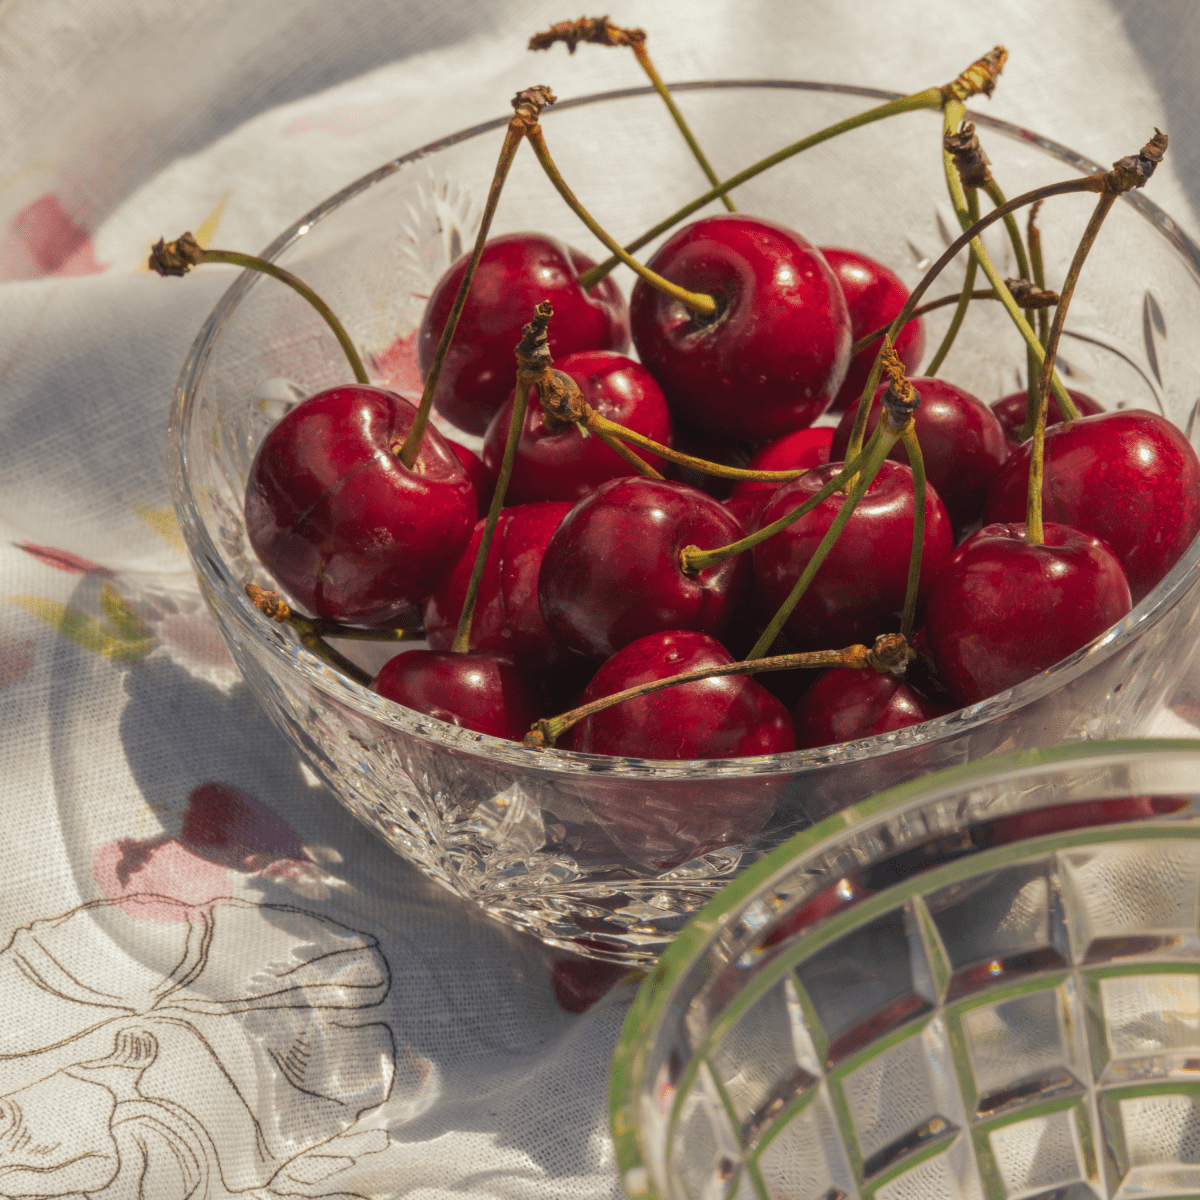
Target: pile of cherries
(587, 588)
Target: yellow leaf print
(123, 636)
(162, 521)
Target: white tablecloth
(211, 976)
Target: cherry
(874, 295)
(794, 451)
(1010, 411)
(1059, 817)
(1130, 477)
(350, 532)
(962, 444)
(1001, 610)
(729, 717)
(712, 447)
(612, 571)
(776, 352)
(517, 272)
(563, 464)
(859, 591)
(507, 618)
(844, 704)
(482, 480)
(477, 690)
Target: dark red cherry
(478, 690)
(612, 572)
(874, 295)
(1001, 610)
(1010, 411)
(728, 717)
(507, 618)
(1130, 477)
(481, 479)
(858, 593)
(1041, 821)
(348, 531)
(844, 704)
(962, 444)
(565, 465)
(775, 353)
(794, 451)
(516, 273)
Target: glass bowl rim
(665, 980)
(224, 589)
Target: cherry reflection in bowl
(610, 855)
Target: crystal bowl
(952, 990)
(606, 855)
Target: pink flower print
(157, 881)
(64, 560)
(42, 240)
(397, 366)
(16, 657)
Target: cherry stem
(533, 364)
(528, 105)
(1034, 531)
(1036, 299)
(917, 462)
(952, 115)
(635, 460)
(877, 450)
(698, 302)
(929, 98)
(312, 632)
(605, 429)
(889, 655)
(1088, 183)
(693, 560)
(964, 297)
(179, 256)
(1034, 236)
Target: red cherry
(349, 531)
(565, 465)
(858, 592)
(874, 295)
(516, 273)
(776, 352)
(1040, 821)
(1002, 610)
(482, 480)
(729, 717)
(962, 444)
(507, 618)
(844, 704)
(794, 451)
(612, 572)
(579, 982)
(1130, 477)
(478, 690)
(1010, 411)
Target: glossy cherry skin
(845, 703)
(565, 465)
(1001, 610)
(612, 572)
(874, 295)
(794, 451)
(775, 354)
(1010, 411)
(516, 273)
(962, 444)
(348, 531)
(858, 593)
(482, 480)
(1130, 477)
(478, 690)
(508, 619)
(729, 717)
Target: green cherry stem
(979, 77)
(533, 364)
(1034, 236)
(917, 462)
(964, 297)
(698, 302)
(888, 655)
(877, 450)
(1127, 173)
(527, 107)
(179, 256)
